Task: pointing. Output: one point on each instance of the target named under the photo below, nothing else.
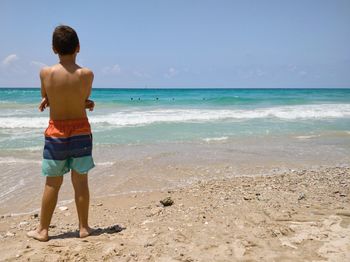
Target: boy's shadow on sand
(96, 232)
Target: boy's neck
(67, 59)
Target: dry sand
(299, 215)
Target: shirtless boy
(66, 87)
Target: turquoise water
(134, 116)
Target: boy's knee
(81, 188)
(79, 181)
(54, 182)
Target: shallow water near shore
(126, 169)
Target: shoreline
(300, 215)
(153, 167)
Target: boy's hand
(43, 104)
(90, 104)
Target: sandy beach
(295, 215)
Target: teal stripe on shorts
(60, 167)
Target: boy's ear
(78, 49)
(54, 50)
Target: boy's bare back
(67, 87)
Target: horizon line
(145, 88)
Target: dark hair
(65, 40)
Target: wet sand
(122, 169)
(291, 215)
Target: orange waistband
(67, 128)
(69, 121)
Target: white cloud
(171, 72)
(112, 70)
(260, 72)
(38, 64)
(251, 72)
(302, 73)
(9, 59)
(11, 65)
(141, 74)
(292, 68)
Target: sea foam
(209, 139)
(135, 117)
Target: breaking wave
(145, 117)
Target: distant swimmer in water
(131, 98)
(157, 98)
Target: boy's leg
(48, 205)
(82, 198)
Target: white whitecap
(145, 117)
(104, 163)
(209, 139)
(307, 137)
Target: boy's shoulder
(47, 70)
(86, 71)
(82, 71)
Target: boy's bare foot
(40, 236)
(85, 232)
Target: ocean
(142, 134)
(134, 116)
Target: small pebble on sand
(63, 208)
(167, 201)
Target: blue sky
(184, 43)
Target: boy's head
(65, 40)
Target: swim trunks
(68, 145)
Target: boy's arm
(88, 79)
(44, 101)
